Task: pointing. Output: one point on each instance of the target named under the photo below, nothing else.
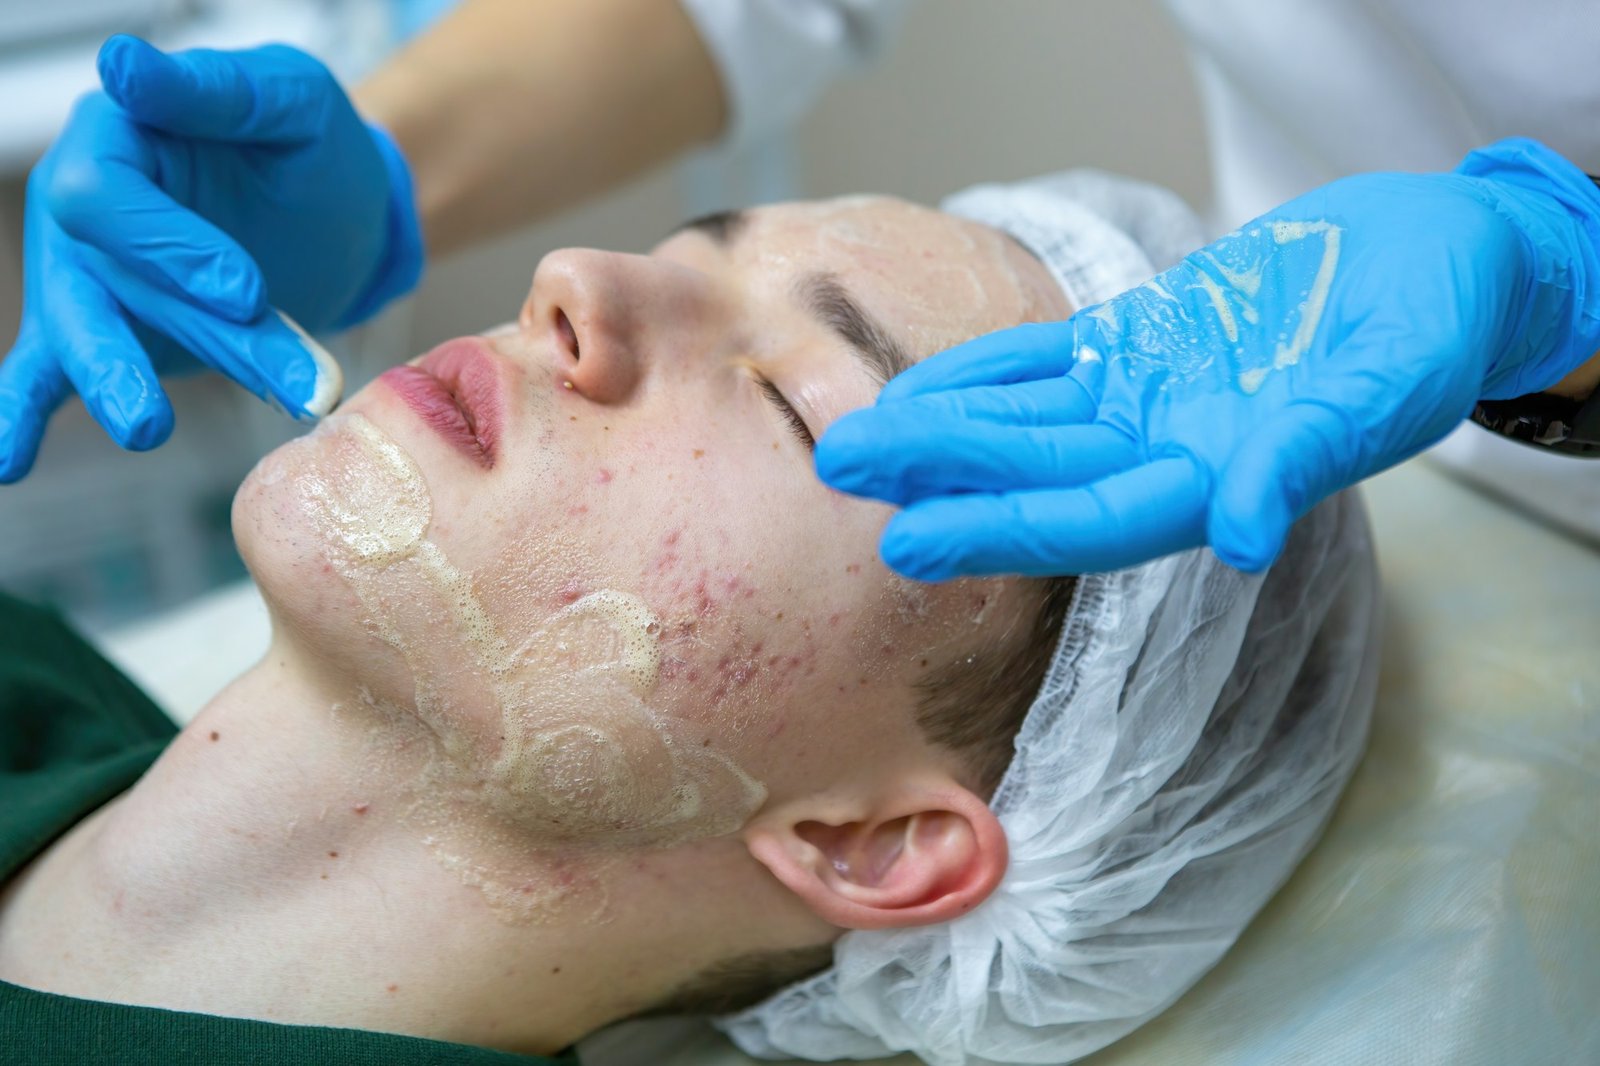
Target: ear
(924, 853)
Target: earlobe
(930, 857)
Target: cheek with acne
(730, 650)
(536, 677)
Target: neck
(296, 856)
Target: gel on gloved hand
(192, 213)
(1328, 340)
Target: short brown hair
(973, 706)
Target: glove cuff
(1557, 206)
(403, 256)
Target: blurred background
(971, 92)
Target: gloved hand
(1330, 339)
(180, 205)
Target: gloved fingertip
(148, 428)
(1249, 546)
(125, 64)
(906, 553)
(832, 470)
(131, 409)
(114, 52)
(902, 561)
(309, 382)
(1246, 559)
(838, 457)
(16, 456)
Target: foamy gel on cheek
(549, 736)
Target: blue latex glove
(181, 204)
(1330, 339)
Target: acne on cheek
(752, 676)
(728, 649)
(709, 649)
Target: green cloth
(74, 733)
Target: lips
(456, 390)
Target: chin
(292, 521)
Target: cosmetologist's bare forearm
(509, 110)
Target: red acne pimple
(361, 808)
(577, 509)
(833, 619)
(603, 477)
(392, 988)
(570, 593)
(671, 539)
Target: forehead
(934, 279)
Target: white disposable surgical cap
(1191, 737)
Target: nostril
(569, 336)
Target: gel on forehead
(552, 736)
(937, 280)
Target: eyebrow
(826, 299)
(875, 348)
(721, 226)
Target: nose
(613, 319)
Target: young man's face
(615, 603)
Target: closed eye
(797, 425)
